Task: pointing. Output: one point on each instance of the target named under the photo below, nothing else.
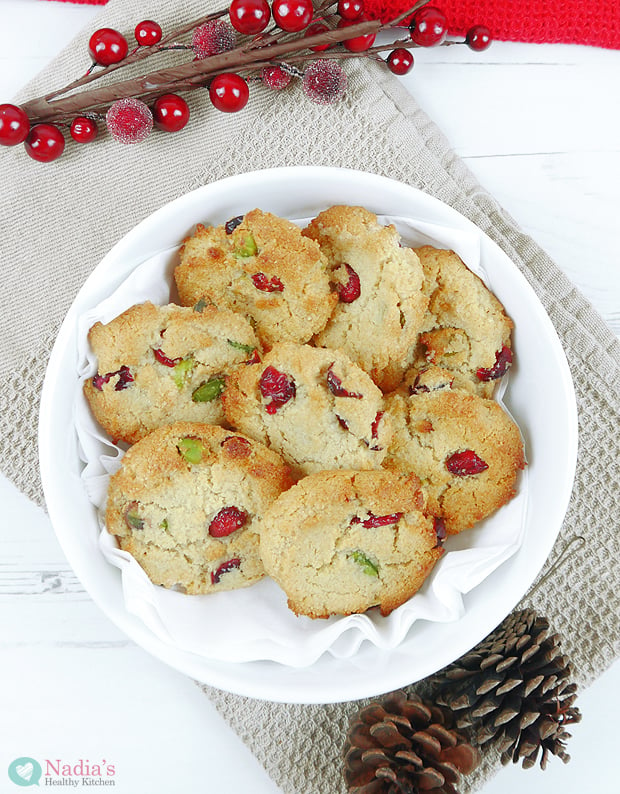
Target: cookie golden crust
(381, 306)
(264, 269)
(341, 542)
(186, 503)
(313, 406)
(465, 449)
(465, 328)
(161, 364)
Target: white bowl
(540, 396)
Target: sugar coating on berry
(275, 77)
(324, 82)
(129, 121)
(213, 38)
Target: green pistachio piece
(209, 390)
(132, 518)
(182, 370)
(191, 449)
(241, 346)
(365, 564)
(247, 248)
(164, 525)
(200, 306)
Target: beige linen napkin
(58, 220)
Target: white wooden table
(539, 126)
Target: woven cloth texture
(555, 21)
(96, 194)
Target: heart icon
(25, 770)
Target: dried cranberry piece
(465, 463)
(377, 521)
(417, 387)
(342, 422)
(163, 358)
(334, 384)
(441, 532)
(225, 567)
(265, 284)
(503, 360)
(374, 427)
(231, 225)
(351, 290)
(124, 379)
(226, 521)
(278, 386)
(254, 358)
(237, 447)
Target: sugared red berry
(357, 43)
(249, 16)
(170, 113)
(124, 379)
(83, 130)
(14, 125)
(277, 387)
(464, 463)
(314, 30)
(350, 9)
(292, 15)
(428, 27)
(45, 142)
(275, 77)
(400, 61)
(229, 92)
(148, 33)
(334, 384)
(478, 38)
(324, 82)
(266, 284)
(503, 360)
(350, 291)
(107, 46)
(129, 121)
(227, 521)
(212, 38)
(377, 521)
(225, 567)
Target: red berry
(265, 284)
(45, 142)
(275, 77)
(478, 38)
(164, 359)
(324, 82)
(170, 113)
(14, 125)
(212, 38)
(227, 521)
(229, 92)
(147, 33)
(124, 379)
(350, 9)
(357, 43)
(503, 360)
(225, 567)
(374, 427)
(249, 16)
(377, 521)
(277, 386)
(334, 384)
(352, 289)
(83, 130)
(107, 46)
(292, 15)
(315, 30)
(439, 525)
(464, 463)
(428, 27)
(400, 61)
(129, 121)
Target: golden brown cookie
(186, 503)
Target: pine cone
(403, 746)
(514, 688)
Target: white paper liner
(254, 623)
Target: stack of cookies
(318, 408)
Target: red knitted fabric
(594, 22)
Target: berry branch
(304, 41)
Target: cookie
(186, 503)
(465, 449)
(340, 542)
(160, 364)
(466, 329)
(379, 283)
(313, 406)
(261, 266)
